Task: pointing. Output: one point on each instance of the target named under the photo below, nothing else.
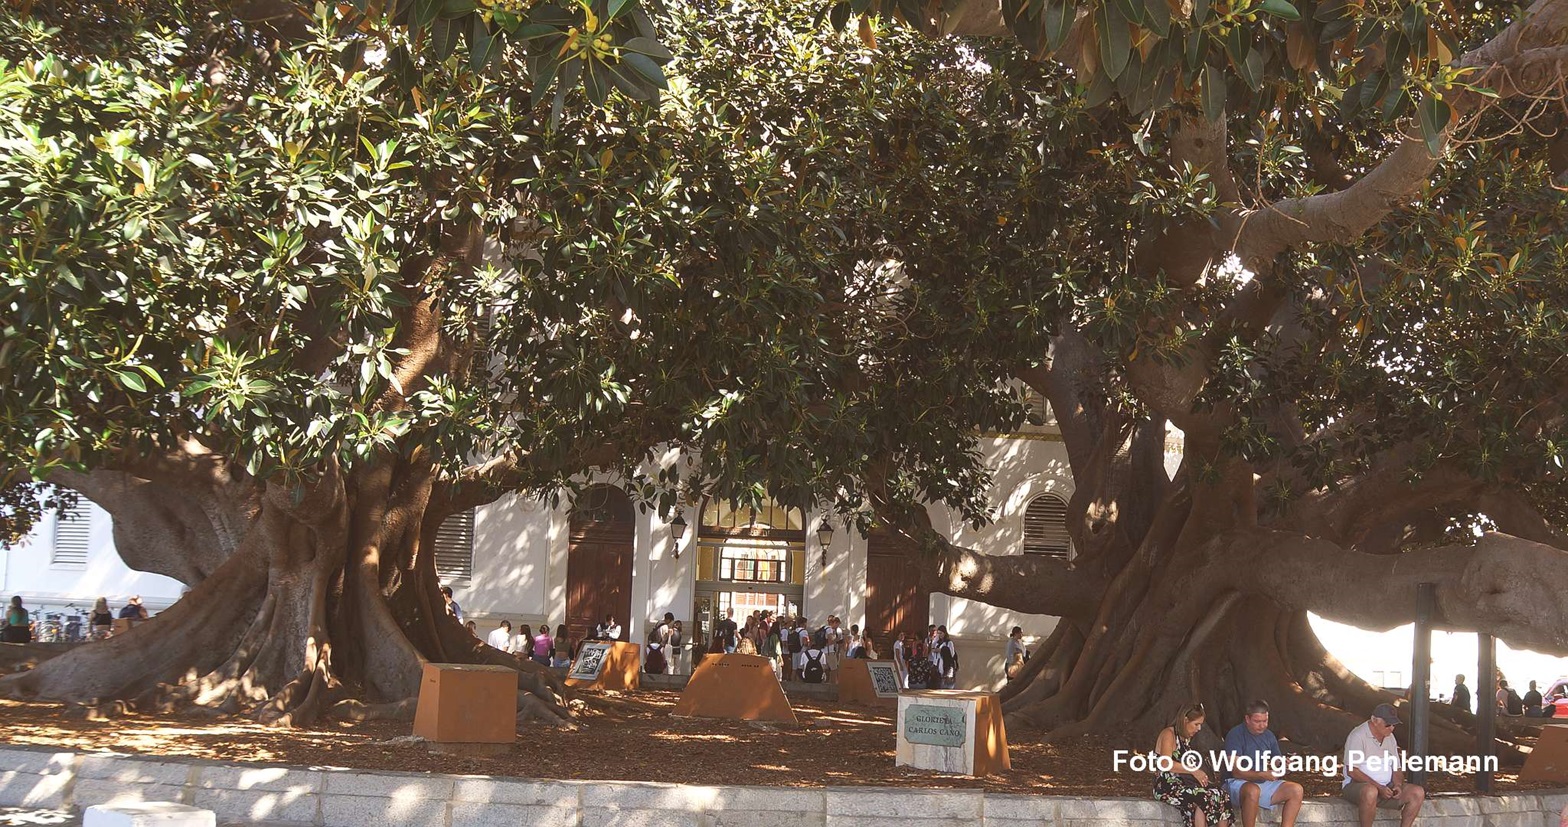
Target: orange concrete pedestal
(855, 685)
(952, 731)
(1548, 761)
(740, 687)
(610, 665)
(461, 703)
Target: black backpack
(819, 638)
(1515, 704)
(949, 658)
(792, 641)
(813, 671)
(656, 663)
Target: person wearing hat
(1373, 777)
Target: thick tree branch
(1528, 58)
(1503, 585)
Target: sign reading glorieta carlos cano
(940, 726)
(952, 731)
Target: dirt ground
(631, 737)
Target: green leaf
(1115, 41)
(1252, 71)
(1100, 90)
(650, 47)
(130, 380)
(616, 7)
(1281, 9)
(1213, 93)
(572, 71)
(839, 16)
(647, 68)
(629, 82)
(1157, 16)
(1434, 114)
(1200, 11)
(481, 45)
(595, 83)
(1058, 23)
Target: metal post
(1486, 709)
(1420, 723)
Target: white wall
(28, 570)
(520, 561)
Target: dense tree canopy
(338, 289)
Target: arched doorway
(599, 560)
(748, 559)
(895, 602)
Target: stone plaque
(939, 726)
(951, 731)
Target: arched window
(1045, 527)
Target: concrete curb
(331, 797)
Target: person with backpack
(658, 660)
(772, 648)
(806, 637)
(812, 669)
(793, 636)
(944, 657)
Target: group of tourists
(798, 650)
(1371, 778)
(1509, 702)
(928, 663)
(17, 625)
(540, 646)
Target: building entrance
(747, 560)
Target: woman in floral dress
(1201, 804)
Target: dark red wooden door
(599, 563)
(894, 600)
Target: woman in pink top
(542, 644)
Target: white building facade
(522, 560)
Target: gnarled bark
(325, 601)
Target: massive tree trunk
(319, 601)
(1203, 603)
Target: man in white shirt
(501, 638)
(609, 629)
(1373, 777)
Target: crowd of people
(1532, 704)
(1370, 778)
(20, 625)
(797, 649)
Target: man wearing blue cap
(1251, 745)
(1373, 775)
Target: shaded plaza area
(630, 737)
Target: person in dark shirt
(725, 630)
(1532, 702)
(1256, 785)
(1461, 693)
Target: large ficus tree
(283, 292)
(1328, 246)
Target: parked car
(1556, 695)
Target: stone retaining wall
(278, 795)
